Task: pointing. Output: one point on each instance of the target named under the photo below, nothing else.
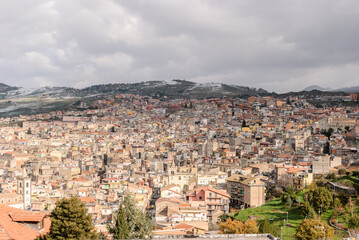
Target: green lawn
(327, 215)
(278, 212)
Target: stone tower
(24, 188)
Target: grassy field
(276, 212)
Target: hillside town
(187, 163)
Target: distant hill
(5, 88)
(347, 89)
(15, 101)
(316, 87)
(176, 89)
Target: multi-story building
(302, 180)
(216, 201)
(246, 191)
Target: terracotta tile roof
(3, 234)
(207, 188)
(10, 229)
(27, 217)
(169, 232)
(183, 226)
(87, 200)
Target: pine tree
(69, 220)
(266, 227)
(29, 131)
(139, 225)
(308, 210)
(244, 124)
(320, 198)
(121, 230)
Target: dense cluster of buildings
(186, 162)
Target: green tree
(330, 176)
(328, 133)
(311, 229)
(337, 203)
(70, 221)
(354, 222)
(308, 210)
(244, 124)
(326, 148)
(139, 225)
(121, 230)
(288, 196)
(342, 171)
(320, 198)
(223, 217)
(347, 129)
(266, 227)
(29, 131)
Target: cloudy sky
(276, 45)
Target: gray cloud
(277, 45)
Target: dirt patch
(279, 211)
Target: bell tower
(24, 188)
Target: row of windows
(27, 184)
(223, 200)
(210, 195)
(2, 201)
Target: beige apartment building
(246, 191)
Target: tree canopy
(320, 198)
(138, 223)
(69, 220)
(311, 229)
(238, 227)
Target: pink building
(215, 201)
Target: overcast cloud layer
(276, 45)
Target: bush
(342, 171)
(354, 222)
(311, 229)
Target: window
(210, 194)
(200, 197)
(20, 184)
(27, 184)
(215, 195)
